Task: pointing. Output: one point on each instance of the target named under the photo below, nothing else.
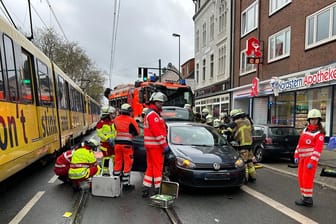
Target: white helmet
(314, 113)
(209, 119)
(126, 108)
(92, 143)
(108, 110)
(158, 96)
(216, 123)
(205, 110)
(187, 106)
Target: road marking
(17, 219)
(53, 179)
(278, 206)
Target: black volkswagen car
(199, 157)
(272, 141)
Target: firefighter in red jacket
(155, 139)
(62, 165)
(106, 132)
(307, 155)
(126, 128)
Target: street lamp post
(178, 35)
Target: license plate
(217, 176)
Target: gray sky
(144, 34)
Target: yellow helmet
(236, 112)
(209, 119)
(314, 113)
(205, 110)
(216, 123)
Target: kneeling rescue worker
(83, 163)
(62, 165)
(126, 128)
(241, 132)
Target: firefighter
(307, 155)
(240, 130)
(106, 133)
(155, 134)
(209, 120)
(218, 125)
(126, 128)
(62, 165)
(83, 163)
(204, 114)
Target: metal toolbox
(106, 185)
(167, 195)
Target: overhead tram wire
(6, 13)
(58, 23)
(114, 37)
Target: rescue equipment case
(167, 195)
(106, 186)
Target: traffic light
(145, 74)
(139, 72)
(254, 60)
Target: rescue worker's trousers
(123, 161)
(154, 169)
(247, 157)
(306, 177)
(62, 171)
(93, 170)
(108, 153)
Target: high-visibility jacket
(83, 164)
(155, 132)
(242, 131)
(126, 128)
(105, 130)
(310, 144)
(62, 163)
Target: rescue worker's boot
(128, 187)
(145, 192)
(305, 201)
(105, 166)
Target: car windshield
(195, 135)
(176, 113)
(283, 131)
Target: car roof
(185, 123)
(273, 125)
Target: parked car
(199, 157)
(272, 141)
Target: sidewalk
(328, 158)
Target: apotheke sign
(321, 76)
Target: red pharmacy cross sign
(253, 47)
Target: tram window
(45, 88)
(63, 94)
(2, 86)
(10, 67)
(26, 78)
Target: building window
(249, 19)
(204, 34)
(197, 42)
(203, 70)
(212, 27)
(279, 45)
(197, 72)
(321, 26)
(244, 67)
(276, 5)
(211, 66)
(221, 59)
(222, 12)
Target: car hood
(206, 154)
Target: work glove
(111, 142)
(309, 165)
(166, 150)
(296, 160)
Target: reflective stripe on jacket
(155, 132)
(310, 145)
(82, 159)
(126, 128)
(105, 130)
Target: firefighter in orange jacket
(126, 128)
(307, 155)
(156, 145)
(106, 132)
(83, 163)
(62, 165)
